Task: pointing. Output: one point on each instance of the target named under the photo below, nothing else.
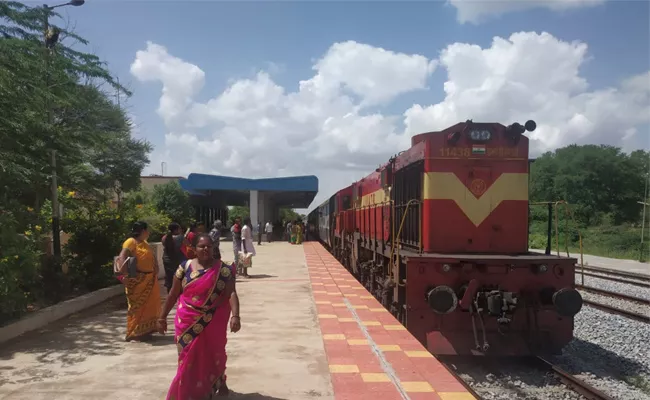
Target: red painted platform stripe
(370, 354)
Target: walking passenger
(172, 255)
(206, 294)
(143, 291)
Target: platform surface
(604, 262)
(278, 354)
(370, 354)
(309, 331)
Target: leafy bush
(139, 206)
(96, 236)
(19, 267)
(172, 201)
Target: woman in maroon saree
(205, 289)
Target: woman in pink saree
(205, 290)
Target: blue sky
(231, 41)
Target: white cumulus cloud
(476, 11)
(326, 127)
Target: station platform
(370, 354)
(605, 262)
(309, 331)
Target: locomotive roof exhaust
(518, 129)
(515, 130)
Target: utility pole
(50, 38)
(119, 107)
(645, 204)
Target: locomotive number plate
(466, 152)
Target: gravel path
(614, 302)
(611, 353)
(512, 380)
(618, 287)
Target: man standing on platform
(269, 231)
(215, 234)
(259, 233)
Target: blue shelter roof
(296, 191)
(200, 182)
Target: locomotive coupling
(442, 299)
(567, 302)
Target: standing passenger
(172, 255)
(299, 230)
(289, 231)
(269, 231)
(236, 241)
(247, 245)
(215, 235)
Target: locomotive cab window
(347, 202)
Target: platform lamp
(50, 39)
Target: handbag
(244, 259)
(130, 265)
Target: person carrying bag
(245, 257)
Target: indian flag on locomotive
(478, 149)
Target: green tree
(238, 211)
(95, 151)
(600, 182)
(56, 98)
(171, 200)
(288, 214)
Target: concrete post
(253, 205)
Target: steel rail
(618, 311)
(575, 384)
(617, 295)
(626, 274)
(615, 279)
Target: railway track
(609, 293)
(642, 280)
(619, 311)
(573, 383)
(643, 316)
(538, 363)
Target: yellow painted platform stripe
(447, 186)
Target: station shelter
(212, 194)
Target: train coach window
(347, 202)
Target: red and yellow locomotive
(439, 235)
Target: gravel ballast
(618, 287)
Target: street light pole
(49, 40)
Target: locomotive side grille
(408, 186)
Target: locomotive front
(473, 287)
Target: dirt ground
(277, 355)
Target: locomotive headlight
(480, 135)
(446, 267)
(542, 268)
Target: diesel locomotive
(439, 235)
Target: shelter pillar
(253, 205)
